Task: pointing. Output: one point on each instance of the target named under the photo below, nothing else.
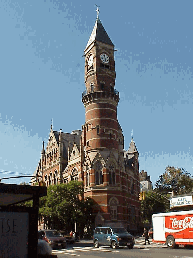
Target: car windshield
(119, 230)
(53, 234)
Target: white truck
(173, 228)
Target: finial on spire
(132, 134)
(97, 10)
(51, 123)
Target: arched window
(50, 179)
(113, 208)
(112, 175)
(55, 177)
(74, 175)
(92, 87)
(65, 180)
(98, 173)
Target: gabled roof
(68, 140)
(99, 34)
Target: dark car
(69, 239)
(53, 237)
(115, 237)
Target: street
(85, 249)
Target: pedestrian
(146, 235)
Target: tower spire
(98, 33)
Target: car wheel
(130, 246)
(96, 243)
(113, 245)
(170, 242)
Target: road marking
(58, 252)
(82, 250)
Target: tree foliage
(174, 179)
(64, 206)
(154, 202)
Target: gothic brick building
(95, 154)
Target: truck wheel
(170, 242)
(96, 243)
(113, 245)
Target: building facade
(145, 182)
(95, 154)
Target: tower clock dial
(90, 60)
(104, 58)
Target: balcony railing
(86, 93)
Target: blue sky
(42, 77)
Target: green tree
(64, 206)
(174, 179)
(154, 202)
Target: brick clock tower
(105, 172)
(95, 154)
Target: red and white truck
(173, 228)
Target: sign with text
(14, 230)
(181, 201)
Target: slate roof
(69, 140)
(99, 34)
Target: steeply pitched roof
(132, 147)
(99, 34)
(69, 140)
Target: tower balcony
(101, 94)
(93, 95)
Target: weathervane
(97, 10)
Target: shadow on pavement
(82, 243)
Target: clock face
(90, 60)
(104, 58)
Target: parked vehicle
(173, 228)
(69, 239)
(53, 237)
(115, 237)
